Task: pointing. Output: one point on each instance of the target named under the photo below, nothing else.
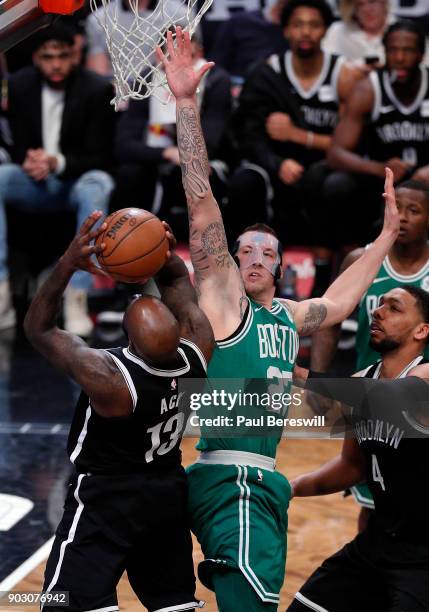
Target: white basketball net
(132, 46)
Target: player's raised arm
(219, 285)
(94, 370)
(345, 292)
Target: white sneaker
(7, 312)
(76, 319)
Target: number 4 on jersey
(376, 474)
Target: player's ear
(422, 331)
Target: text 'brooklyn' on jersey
(315, 109)
(394, 436)
(151, 434)
(397, 130)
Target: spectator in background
(287, 113)
(62, 129)
(98, 58)
(4, 154)
(385, 123)
(358, 35)
(147, 153)
(248, 37)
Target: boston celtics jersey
(385, 280)
(264, 346)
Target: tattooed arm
(344, 294)
(219, 285)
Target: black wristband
(313, 374)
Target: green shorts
(363, 495)
(239, 515)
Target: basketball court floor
(36, 406)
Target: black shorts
(134, 523)
(351, 581)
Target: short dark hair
(260, 227)
(416, 186)
(406, 25)
(58, 32)
(422, 299)
(320, 5)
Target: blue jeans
(88, 193)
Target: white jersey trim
(376, 88)
(107, 609)
(235, 339)
(82, 436)
(287, 309)
(127, 377)
(310, 604)
(402, 374)
(70, 536)
(307, 93)
(197, 350)
(230, 457)
(157, 371)
(341, 60)
(243, 554)
(186, 606)
(366, 502)
(405, 278)
(407, 110)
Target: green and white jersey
(386, 279)
(264, 346)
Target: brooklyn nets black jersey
(315, 109)
(393, 432)
(151, 434)
(396, 130)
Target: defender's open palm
(391, 214)
(182, 79)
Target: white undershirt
(52, 116)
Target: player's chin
(254, 286)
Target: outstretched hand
(178, 64)
(80, 250)
(391, 214)
(172, 242)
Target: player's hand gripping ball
(136, 245)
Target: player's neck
(409, 258)
(307, 67)
(407, 92)
(264, 299)
(395, 362)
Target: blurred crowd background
(308, 102)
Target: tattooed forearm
(193, 153)
(224, 260)
(213, 239)
(314, 317)
(243, 305)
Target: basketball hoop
(20, 18)
(132, 49)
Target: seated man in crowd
(248, 37)
(288, 110)
(62, 127)
(386, 122)
(149, 173)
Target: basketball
(136, 245)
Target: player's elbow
(334, 156)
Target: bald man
(126, 505)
